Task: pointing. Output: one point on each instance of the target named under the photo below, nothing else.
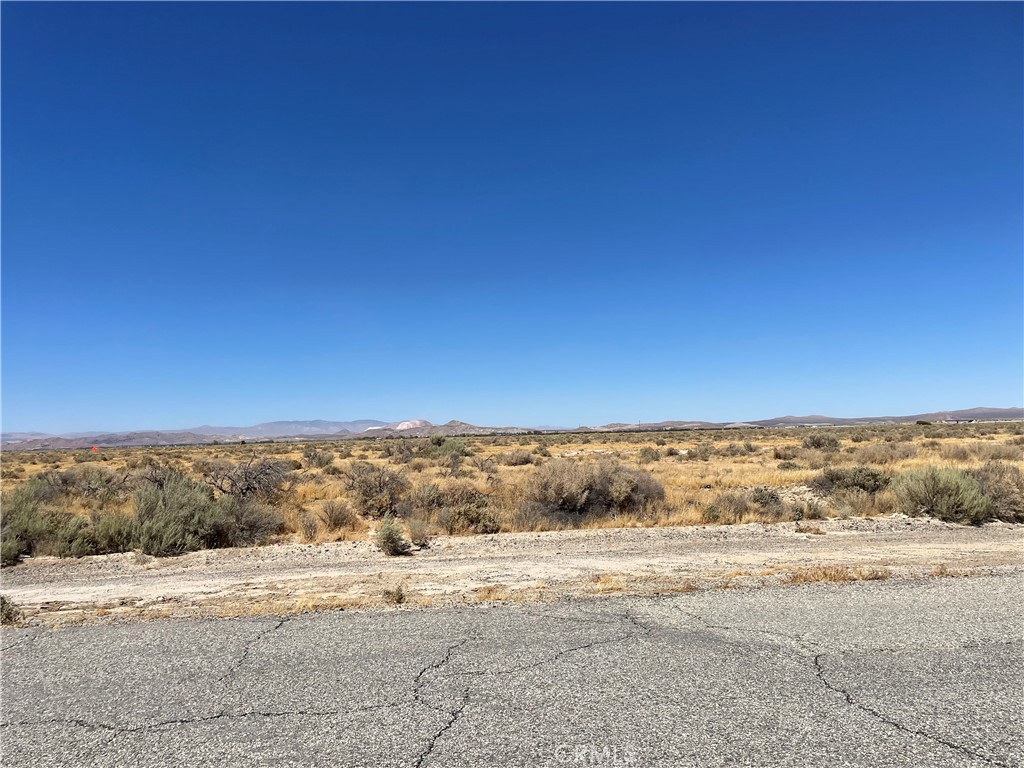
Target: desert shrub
(375, 491)
(450, 464)
(249, 522)
(996, 452)
(821, 442)
(439, 446)
(944, 493)
(11, 549)
(702, 452)
(728, 508)
(839, 478)
(885, 453)
(27, 524)
(262, 479)
(419, 531)
(786, 465)
(10, 613)
(483, 464)
(398, 451)
(757, 504)
(73, 536)
(956, 452)
(389, 538)
(765, 497)
(784, 452)
(179, 516)
(575, 490)
(648, 455)
(731, 449)
(803, 510)
(531, 516)
(337, 515)
(671, 452)
(315, 457)
(92, 482)
(516, 458)
(1003, 484)
(308, 525)
(394, 595)
(457, 508)
(423, 499)
(114, 532)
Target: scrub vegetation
(403, 492)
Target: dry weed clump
(835, 573)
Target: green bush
(389, 538)
(838, 478)
(1003, 484)
(27, 524)
(179, 516)
(944, 493)
(820, 442)
(649, 455)
(248, 522)
(315, 457)
(9, 612)
(114, 532)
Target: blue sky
(552, 214)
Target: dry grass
(607, 582)
(835, 573)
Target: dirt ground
(525, 566)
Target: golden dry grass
(835, 573)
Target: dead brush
(811, 529)
(835, 573)
(337, 516)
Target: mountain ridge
(319, 429)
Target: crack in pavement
(644, 631)
(456, 713)
(810, 648)
(819, 672)
(249, 646)
(31, 638)
(453, 714)
(118, 730)
(453, 717)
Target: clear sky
(533, 214)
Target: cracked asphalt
(889, 673)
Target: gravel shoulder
(298, 578)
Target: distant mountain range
(340, 430)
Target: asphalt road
(921, 673)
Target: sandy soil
(540, 566)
